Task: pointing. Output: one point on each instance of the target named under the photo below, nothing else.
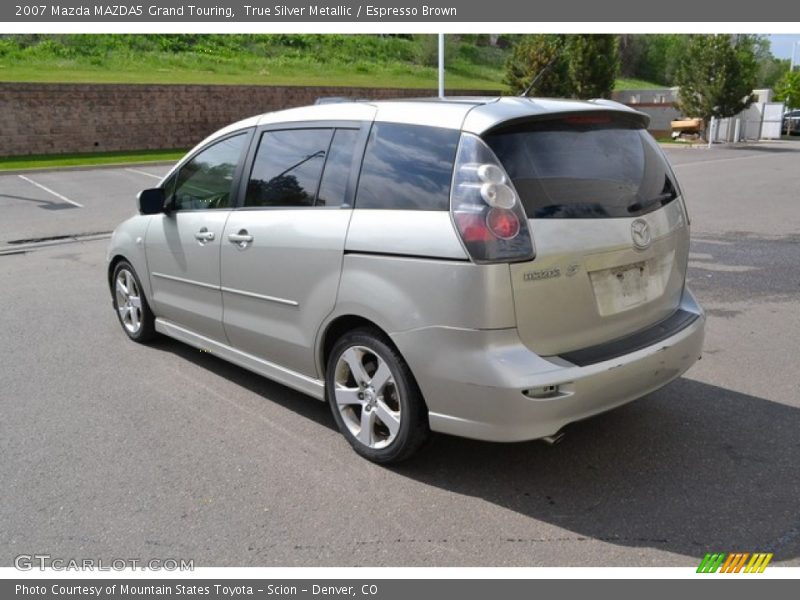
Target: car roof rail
(338, 100)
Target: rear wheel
(374, 398)
(132, 309)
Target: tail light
(486, 208)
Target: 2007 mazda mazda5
(493, 268)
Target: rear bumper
(479, 383)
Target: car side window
(287, 167)
(407, 167)
(205, 181)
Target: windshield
(584, 166)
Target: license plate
(632, 281)
(621, 288)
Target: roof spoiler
(620, 106)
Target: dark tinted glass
(287, 167)
(407, 167)
(337, 168)
(585, 167)
(205, 181)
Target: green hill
(341, 60)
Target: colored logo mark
(735, 562)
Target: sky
(782, 46)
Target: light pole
(441, 65)
(794, 47)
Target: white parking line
(144, 173)
(49, 191)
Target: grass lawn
(625, 83)
(283, 73)
(397, 76)
(87, 159)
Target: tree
(717, 75)
(661, 57)
(530, 58)
(770, 69)
(593, 64)
(567, 66)
(631, 52)
(788, 89)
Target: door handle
(240, 239)
(204, 235)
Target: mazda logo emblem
(640, 232)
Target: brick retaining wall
(45, 118)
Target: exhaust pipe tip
(552, 440)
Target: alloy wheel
(367, 397)
(129, 301)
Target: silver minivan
(493, 268)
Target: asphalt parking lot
(115, 450)
(46, 204)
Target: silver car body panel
(127, 241)
(404, 232)
(403, 293)
(447, 115)
(474, 381)
(302, 383)
(185, 272)
(345, 111)
(279, 288)
(577, 302)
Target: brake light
(503, 223)
(486, 208)
(473, 228)
(588, 119)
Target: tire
(374, 398)
(130, 304)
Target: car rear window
(584, 166)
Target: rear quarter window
(407, 167)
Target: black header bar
(395, 11)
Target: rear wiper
(661, 199)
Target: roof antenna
(538, 77)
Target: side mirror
(151, 202)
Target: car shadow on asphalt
(690, 469)
(766, 149)
(271, 391)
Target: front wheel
(130, 304)
(374, 398)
